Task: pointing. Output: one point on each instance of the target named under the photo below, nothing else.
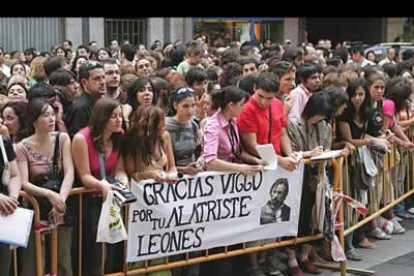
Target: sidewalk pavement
(394, 257)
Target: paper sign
(267, 153)
(15, 229)
(327, 155)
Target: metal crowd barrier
(338, 186)
(387, 191)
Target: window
(132, 29)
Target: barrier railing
(38, 241)
(340, 185)
(384, 193)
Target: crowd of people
(138, 113)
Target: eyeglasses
(147, 65)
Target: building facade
(42, 33)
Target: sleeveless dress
(155, 165)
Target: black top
(79, 113)
(356, 130)
(375, 120)
(11, 155)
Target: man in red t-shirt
(254, 125)
(254, 129)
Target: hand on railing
(348, 149)
(56, 201)
(105, 187)
(381, 143)
(407, 145)
(55, 217)
(315, 152)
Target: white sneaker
(411, 210)
(388, 227)
(397, 218)
(398, 229)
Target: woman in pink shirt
(222, 149)
(102, 136)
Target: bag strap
(3, 151)
(270, 123)
(195, 131)
(56, 153)
(102, 165)
(233, 141)
(365, 126)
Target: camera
(124, 195)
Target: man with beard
(113, 79)
(92, 79)
(275, 210)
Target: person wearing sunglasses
(184, 131)
(92, 79)
(186, 145)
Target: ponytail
(222, 97)
(217, 97)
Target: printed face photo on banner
(212, 209)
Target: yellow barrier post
(38, 239)
(54, 252)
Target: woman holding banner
(184, 132)
(185, 140)
(222, 151)
(154, 159)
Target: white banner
(211, 210)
